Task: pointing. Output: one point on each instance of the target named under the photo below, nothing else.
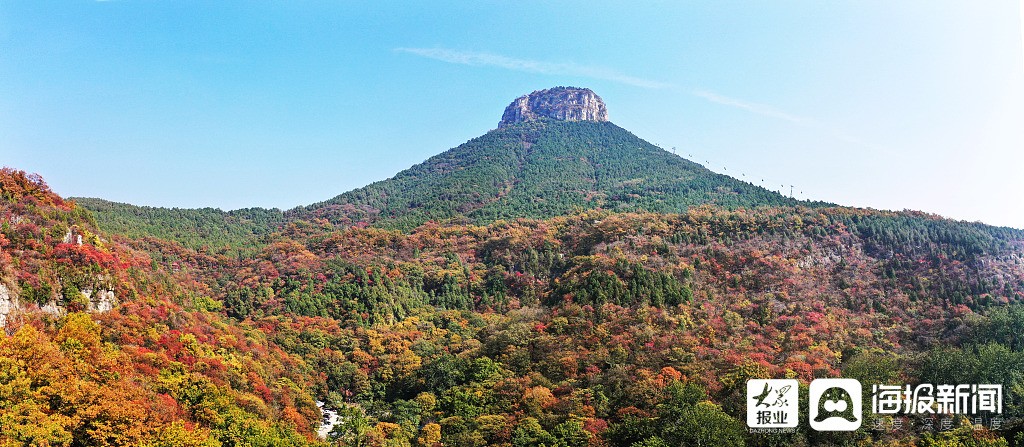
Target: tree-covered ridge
(539, 170)
(857, 259)
(163, 368)
(597, 328)
(194, 228)
(608, 328)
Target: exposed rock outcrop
(102, 301)
(559, 103)
(8, 303)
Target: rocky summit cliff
(554, 153)
(559, 103)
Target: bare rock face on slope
(559, 103)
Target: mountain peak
(559, 103)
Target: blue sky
(892, 105)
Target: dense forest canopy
(549, 283)
(207, 228)
(539, 169)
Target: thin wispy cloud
(759, 109)
(483, 59)
(772, 112)
(479, 59)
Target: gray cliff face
(8, 304)
(101, 301)
(559, 103)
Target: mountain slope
(567, 328)
(537, 169)
(554, 153)
(101, 346)
(600, 327)
(541, 169)
(193, 228)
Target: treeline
(541, 170)
(148, 373)
(535, 170)
(866, 260)
(597, 328)
(632, 329)
(201, 228)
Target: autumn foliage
(591, 329)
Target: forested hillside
(627, 329)
(163, 368)
(537, 169)
(208, 228)
(540, 169)
(549, 283)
